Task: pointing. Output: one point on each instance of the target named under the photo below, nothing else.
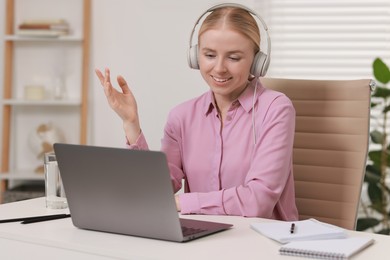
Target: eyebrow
(229, 52)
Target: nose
(220, 65)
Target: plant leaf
(366, 223)
(386, 109)
(375, 157)
(372, 175)
(376, 137)
(381, 92)
(377, 207)
(375, 195)
(374, 104)
(381, 71)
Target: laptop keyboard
(187, 231)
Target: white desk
(61, 240)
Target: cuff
(189, 203)
(140, 143)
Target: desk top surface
(61, 239)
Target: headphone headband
(238, 6)
(261, 61)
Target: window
(334, 39)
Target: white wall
(146, 42)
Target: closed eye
(210, 56)
(234, 58)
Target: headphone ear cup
(193, 57)
(260, 64)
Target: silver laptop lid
(119, 190)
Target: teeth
(220, 80)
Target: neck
(223, 103)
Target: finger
(108, 88)
(107, 76)
(123, 84)
(104, 80)
(99, 74)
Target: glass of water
(54, 189)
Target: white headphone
(261, 60)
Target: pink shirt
(226, 173)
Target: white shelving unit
(30, 60)
(18, 38)
(21, 102)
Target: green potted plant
(376, 211)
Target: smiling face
(225, 59)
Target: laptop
(125, 191)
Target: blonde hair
(235, 18)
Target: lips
(221, 80)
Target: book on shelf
(45, 21)
(43, 27)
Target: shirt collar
(245, 99)
(209, 104)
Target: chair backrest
(330, 145)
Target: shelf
(50, 102)
(22, 175)
(25, 38)
(30, 58)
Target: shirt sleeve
(140, 143)
(269, 176)
(170, 145)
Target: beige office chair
(330, 146)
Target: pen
(292, 228)
(45, 218)
(31, 218)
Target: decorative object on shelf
(34, 92)
(378, 189)
(59, 89)
(43, 28)
(41, 141)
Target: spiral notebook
(342, 248)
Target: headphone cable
(253, 112)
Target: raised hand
(122, 102)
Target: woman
(233, 144)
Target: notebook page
(308, 229)
(327, 249)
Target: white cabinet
(45, 85)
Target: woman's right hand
(123, 103)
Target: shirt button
(228, 118)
